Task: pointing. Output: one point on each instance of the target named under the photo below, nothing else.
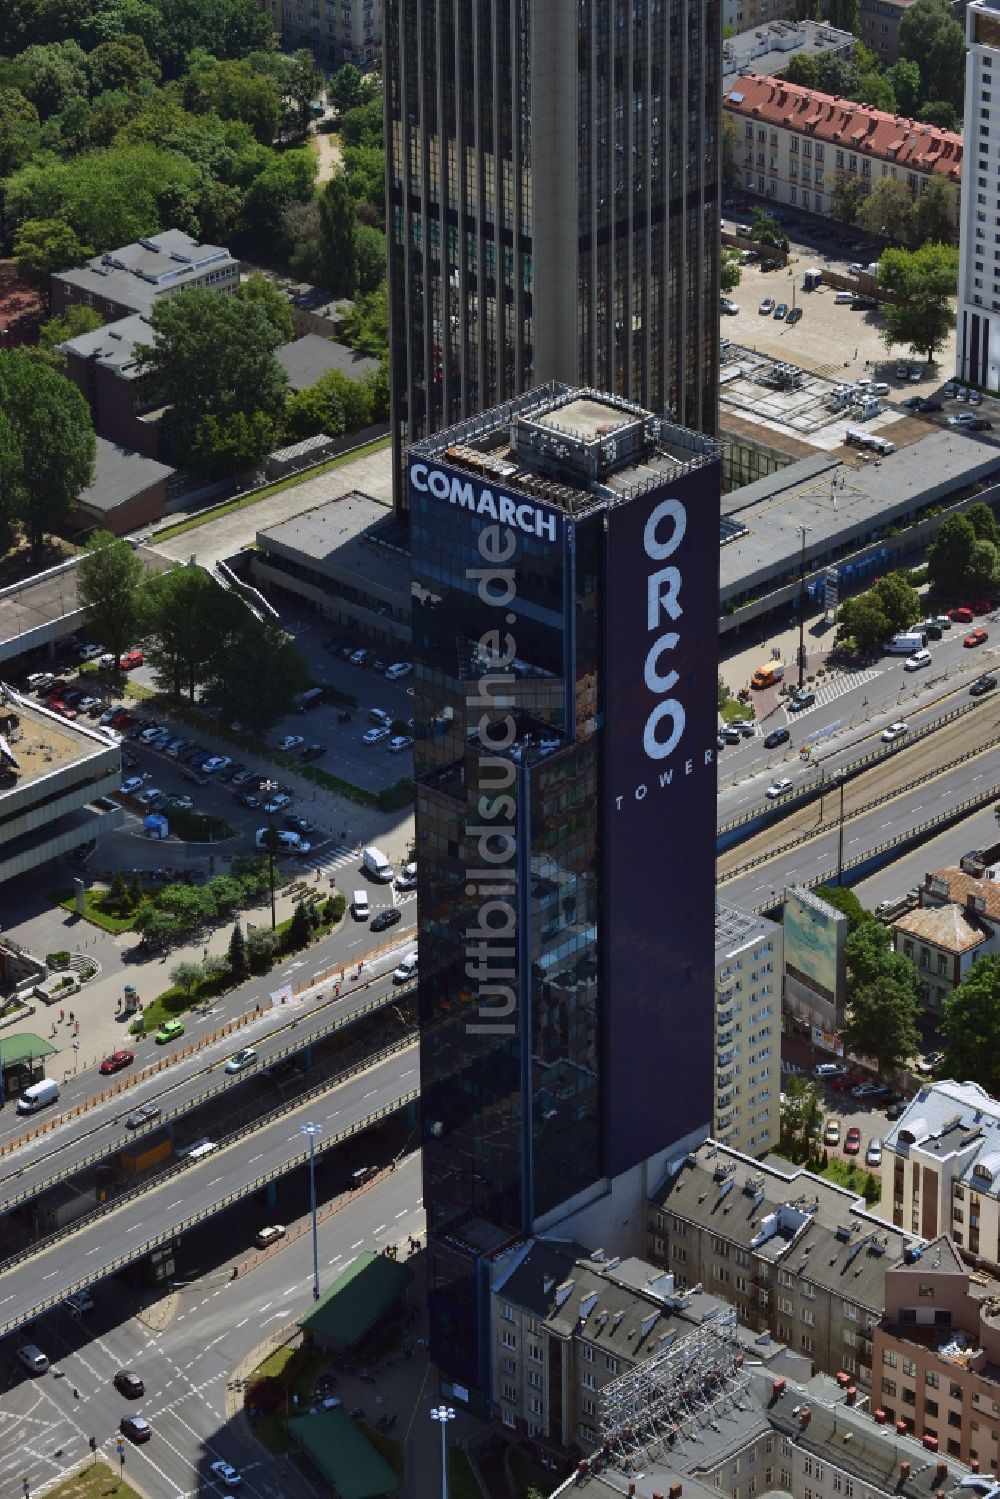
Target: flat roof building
(767, 47)
(55, 783)
(132, 278)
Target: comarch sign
(457, 489)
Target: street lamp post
(443, 1414)
(802, 604)
(312, 1130)
(840, 834)
(269, 788)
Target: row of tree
(197, 637)
(963, 561)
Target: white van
(38, 1096)
(406, 970)
(360, 908)
(844, 297)
(33, 1359)
(907, 644)
(376, 866)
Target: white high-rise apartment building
(748, 965)
(977, 359)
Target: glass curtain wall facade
(553, 204)
(536, 1085)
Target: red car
(116, 1061)
(852, 1145)
(962, 616)
(130, 660)
(976, 637)
(62, 708)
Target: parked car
(962, 615)
(766, 307)
(292, 741)
(116, 1061)
(270, 1235)
(398, 669)
(893, 732)
(794, 316)
(831, 1135)
(961, 419)
(312, 751)
(130, 786)
(801, 700)
(873, 1155)
(927, 1064)
(398, 743)
(277, 802)
(214, 763)
(149, 796)
(776, 737)
(80, 1301)
(976, 637)
(778, 788)
(780, 312)
(374, 736)
(917, 660)
(406, 879)
(979, 424)
(852, 1144)
(90, 652)
(869, 1090)
(130, 660)
(728, 306)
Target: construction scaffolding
(689, 1385)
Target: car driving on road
(893, 732)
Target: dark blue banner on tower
(660, 807)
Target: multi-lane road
(211, 1324)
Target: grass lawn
(855, 1178)
(298, 1371)
(92, 911)
(263, 494)
(462, 1482)
(97, 1481)
(733, 708)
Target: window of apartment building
(611, 1364)
(719, 1246)
(930, 1407)
(588, 1406)
(506, 1311)
(785, 1478)
(807, 1466)
(784, 1332)
(740, 1283)
(752, 1484)
(588, 1380)
(508, 1366)
(748, 132)
(848, 1488)
(677, 1226)
(509, 1392)
(588, 1433)
(534, 1379)
(909, 1368)
(762, 137)
(955, 1390)
(931, 1379)
(839, 160)
(509, 1419)
(909, 1396)
(508, 1339)
(535, 1406)
(588, 1354)
(808, 1291)
(806, 1343)
(837, 1483)
(793, 145)
(532, 1325)
(850, 1338)
(808, 1317)
(535, 1352)
(850, 1311)
(678, 1254)
(786, 1306)
(721, 1273)
(889, 1388)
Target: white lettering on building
(662, 535)
(531, 519)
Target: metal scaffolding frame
(687, 1386)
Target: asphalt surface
(198, 1187)
(212, 1325)
(813, 858)
(102, 1131)
(974, 832)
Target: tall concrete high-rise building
(977, 359)
(565, 554)
(553, 172)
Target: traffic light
(93, 1444)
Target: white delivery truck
(376, 866)
(907, 643)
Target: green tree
(54, 74)
(882, 1020)
(235, 92)
(285, 179)
(724, 694)
(888, 210)
(186, 615)
(109, 585)
(256, 671)
(51, 447)
(363, 125)
(802, 70)
(931, 37)
(730, 272)
(984, 568)
(263, 293)
(76, 320)
(875, 90)
(366, 326)
(237, 952)
(364, 167)
(261, 949)
(836, 75)
(19, 130)
(904, 77)
(970, 1027)
(846, 197)
(983, 522)
(346, 88)
(940, 113)
(213, 358)
(924, 281)
(899, 601)
(801, 1117)
(300, 930)
(228, 28)
(42, 246)
(186, 977)
(124, 64)
(948, 557)
(934, 214)
(370, 258)
(235, 442)
(846, 902)
(305, 83)
(861, 620)
(846, 14)
(338, 237)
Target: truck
(906, 643)
(376, 866)
(38, 1096)
(767, 676)
(811, 279)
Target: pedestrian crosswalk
(331, 860)
(828, 692)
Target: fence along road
(195, 1190)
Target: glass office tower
(565, 555)
(553, 174)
